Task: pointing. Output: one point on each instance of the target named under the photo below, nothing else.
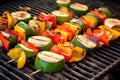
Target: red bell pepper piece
(48, 17)
(101, 15)
(56, 37)
(59, 51)
(19, 37)
(31, 46)
(102, 36)
(5, 42)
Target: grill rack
(96, 64)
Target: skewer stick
(11, 60)
(35, 72)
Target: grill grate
(96, 64)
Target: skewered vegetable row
(68, 31)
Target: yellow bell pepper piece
(92, 21)
(9, 19)
(115, 34)
(66, 10)
(41, 25)
(66, 47)
(76, 29)
(63, 33)
(19, 55)
(21, 31)
(77, 54)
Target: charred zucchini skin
(58, 5)
(48, 67)
(78, 12)
(105, 11)
(78, 43)
(28, 53)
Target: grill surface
(96, 64)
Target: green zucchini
(21, 16)
(44, 43)
(61, 17)
(49, 62)
(105, 11)
(112, 23)
(78, 9)
(78, 22)
(28, 52)
(84, 42)
(64, 3)
(28, 30)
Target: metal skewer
(11, 60)
(35, 72)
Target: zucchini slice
(28, 52)
(105, 11)
(21, 16)
(113, 23)
(49, 62)
(78, 9)
(60, 3)
(84, 42)
(44, 43)
(61, 17)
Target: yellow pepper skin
(76, 52)
(7, 15)
(19, 55)
(21, 31)
(41, 26)
(66, 10)
(92, 21)
(115, 34)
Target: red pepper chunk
(101, 15)
(5, 42)
(87, 24)
(48, 18)
(31, 46)
(19, 37)
(55, 36)
(59, 51)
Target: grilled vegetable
(49, 19)
(10, 37)
(106, 11)
(67, 11)
(28, 52)
(115, 34)
(60, 3)
(19, 57)
(79, 23)
(79, 9)
(57, 50)
(92, 20)
(44, 43)
(21, 16)
(84, 42)
(24, 30)
(76, 52)
(5, 42)
(9, 19)
(61, 17)
(55, 36)
(113, 23)
(49, 62)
